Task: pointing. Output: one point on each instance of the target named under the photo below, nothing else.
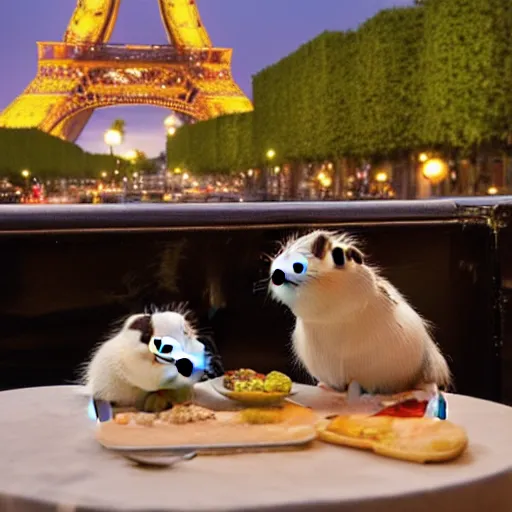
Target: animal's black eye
(338, 256)
(298, 268)
(185, 367)
(157, 342)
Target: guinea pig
(151, 352)
(352, 325)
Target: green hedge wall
(46, 156)
(388, 82)
(436, 75)
(223, 144)
(467, 71)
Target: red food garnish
(409, 409)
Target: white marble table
(49, 460)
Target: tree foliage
(46, 157)
(220, 145)
(389, 82)
(437, 74)
(119, 125)
(467, 69)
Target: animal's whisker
(261, 285)
(266, 257)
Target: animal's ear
(355, 255)
(320, 246)
(144, 325)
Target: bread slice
(413, 439)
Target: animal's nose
(278, 277)
(185, 367)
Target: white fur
(122, 368)
(353, 325)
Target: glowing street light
(171, 131)
(25, 173)
(104, 174)
(423, 157)
(131, 155)
(172, 121)
(492, 191)
(271, 154)
(113, 138)
(326, 182)
(435, 170)
(381, 177)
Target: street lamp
(131, 155)
(25, 173)
(113, 138)
(381, 177)
(270, 154)
(172, 120)
(172, 123)
(435, 170)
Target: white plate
(215, 448)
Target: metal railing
(135, 53)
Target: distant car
(9, 194)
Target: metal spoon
(158, 459)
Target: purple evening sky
(260, 32)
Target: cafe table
(50, 461)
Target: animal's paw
(369, 399)
(325, 387)
(156, 401)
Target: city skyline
(260, 34)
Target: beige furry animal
(142, 358)
(352, 325)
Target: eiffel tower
(83, 72)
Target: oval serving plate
(251, 397)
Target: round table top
(51, 461)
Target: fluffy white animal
(352, 325)
(151, 352)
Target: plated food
(250, 387)
(249, 380)
(413, 439)
(178, 415)
(197, 428)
